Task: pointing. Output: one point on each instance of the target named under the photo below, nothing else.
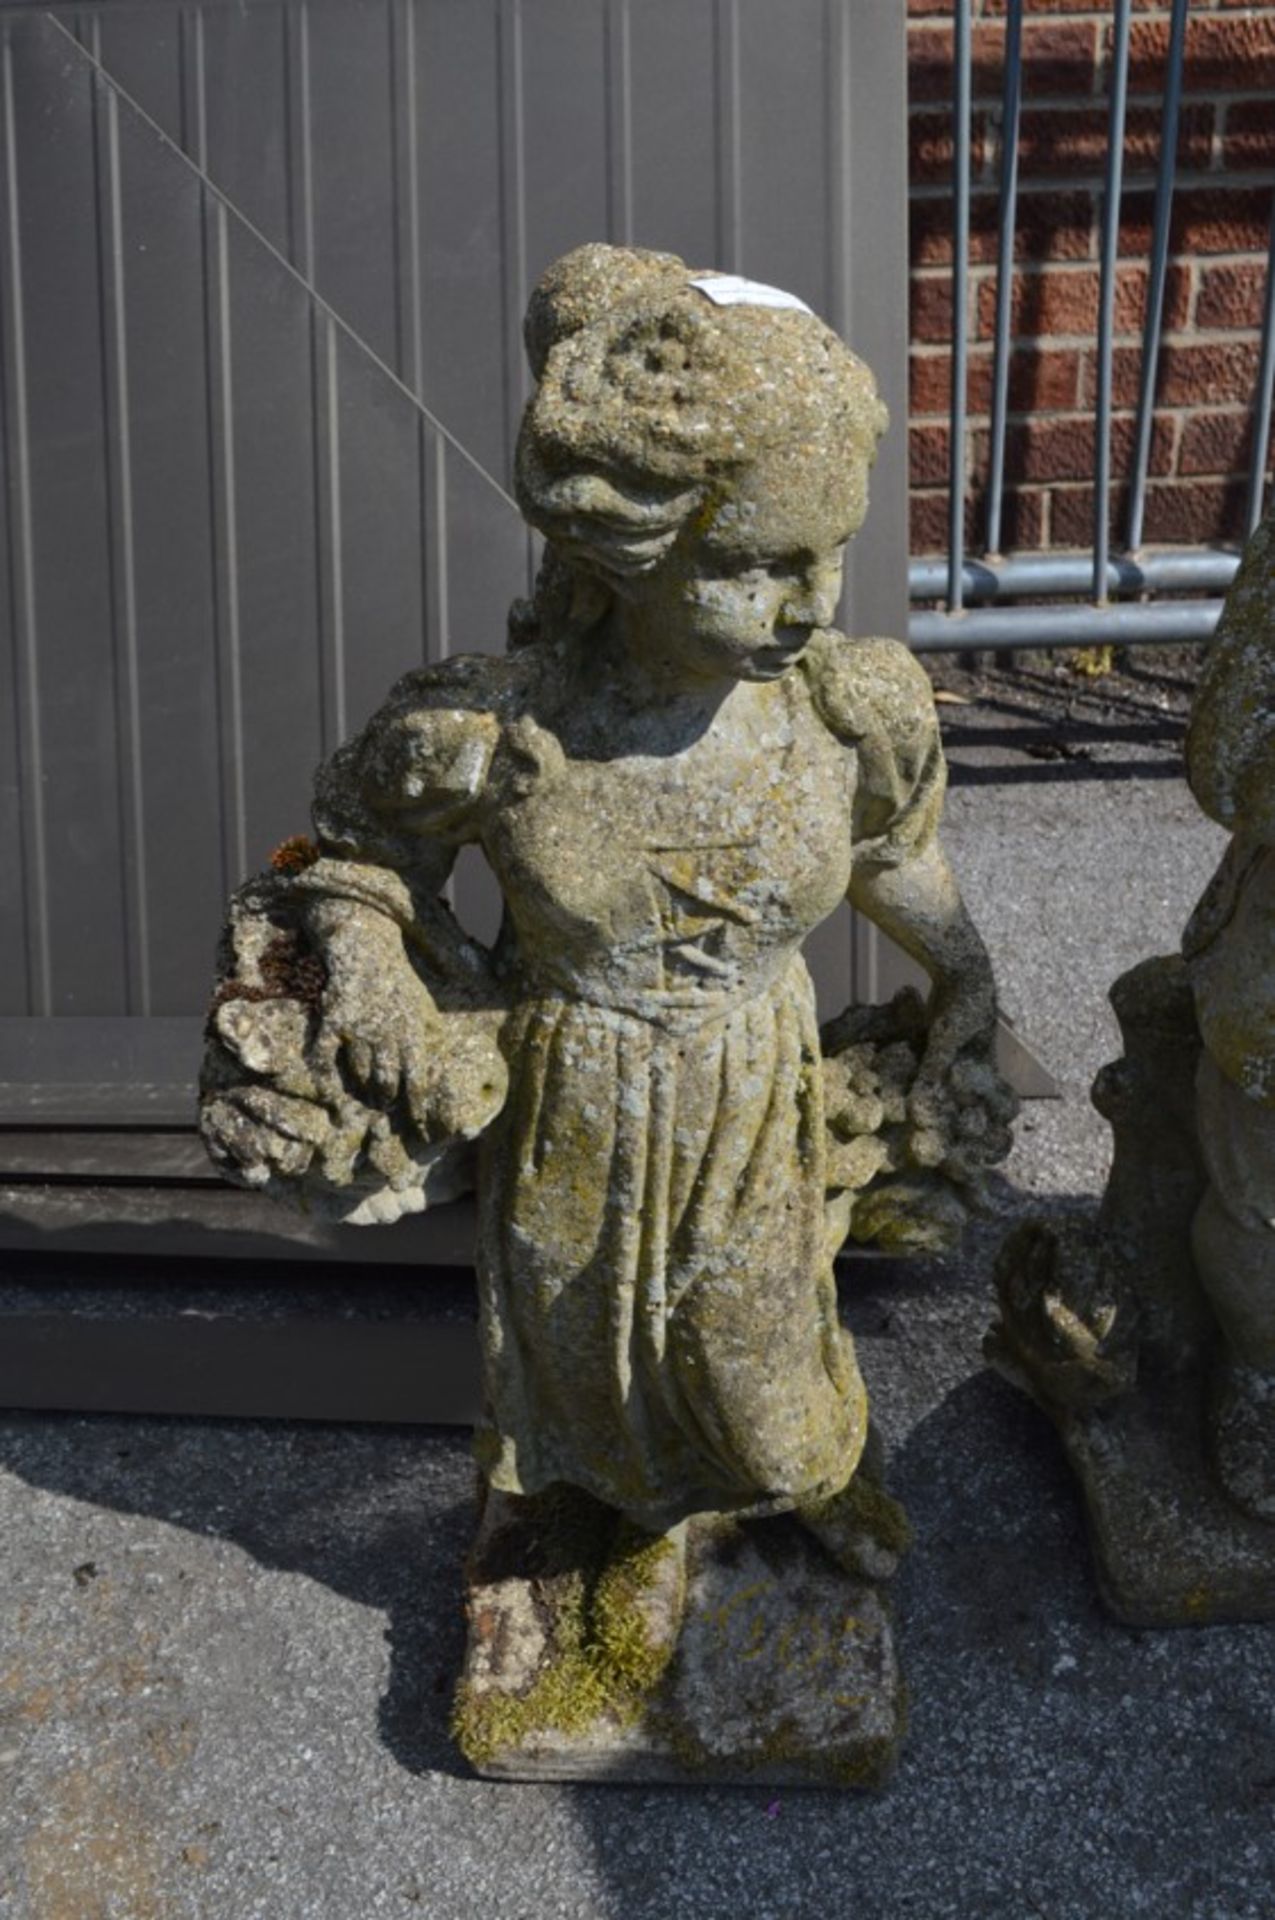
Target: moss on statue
(581, 1613)
(603, 1660)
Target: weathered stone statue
(1150, 1336)
(677, 770)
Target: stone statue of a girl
(676, 772)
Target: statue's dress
(658, 1306)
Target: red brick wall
(1226, 178)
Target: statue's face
(743, 590)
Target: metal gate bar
(1107, 300)
(969, 586)
(1159, 270)
(1265, 381)
(1004, 281)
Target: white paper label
(732, 290)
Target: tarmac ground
(227, 1648)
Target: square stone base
(1170, 1549)
(783, 1671)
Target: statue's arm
(394, 806)
(391, 812)
(354, 1034)
(919, 905)
(875, 696)
(382, 1014)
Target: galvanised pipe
(1185, 570)
(1170, 624)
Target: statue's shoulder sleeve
(876, 698)
(419, 768)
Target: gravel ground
(226, 1647)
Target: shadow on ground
(1056, 1764)
(348, 1506)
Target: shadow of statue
(1034, 1718)
(380, 1515)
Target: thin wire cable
(210, 186)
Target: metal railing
(975, 591)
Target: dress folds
(659, 1312)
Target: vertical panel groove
(726, 102)
(513, 211)
(513, 227)
(201, 92)
(837, 226)
(405, 151)
(186, 126)
(22, 539)
(409, 309)
(619, 118)
(226, 573)
(324, 379)
(334, 718)
(122, 559)
(438, 620)
(298, 146)
(219, 379)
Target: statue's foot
(1241, 1426)
(863, 1529)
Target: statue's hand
(382, 1035)
(959, 1108)
(380, 1029)
(256, 1134)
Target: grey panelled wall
(242, 246)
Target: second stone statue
(676, 772)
